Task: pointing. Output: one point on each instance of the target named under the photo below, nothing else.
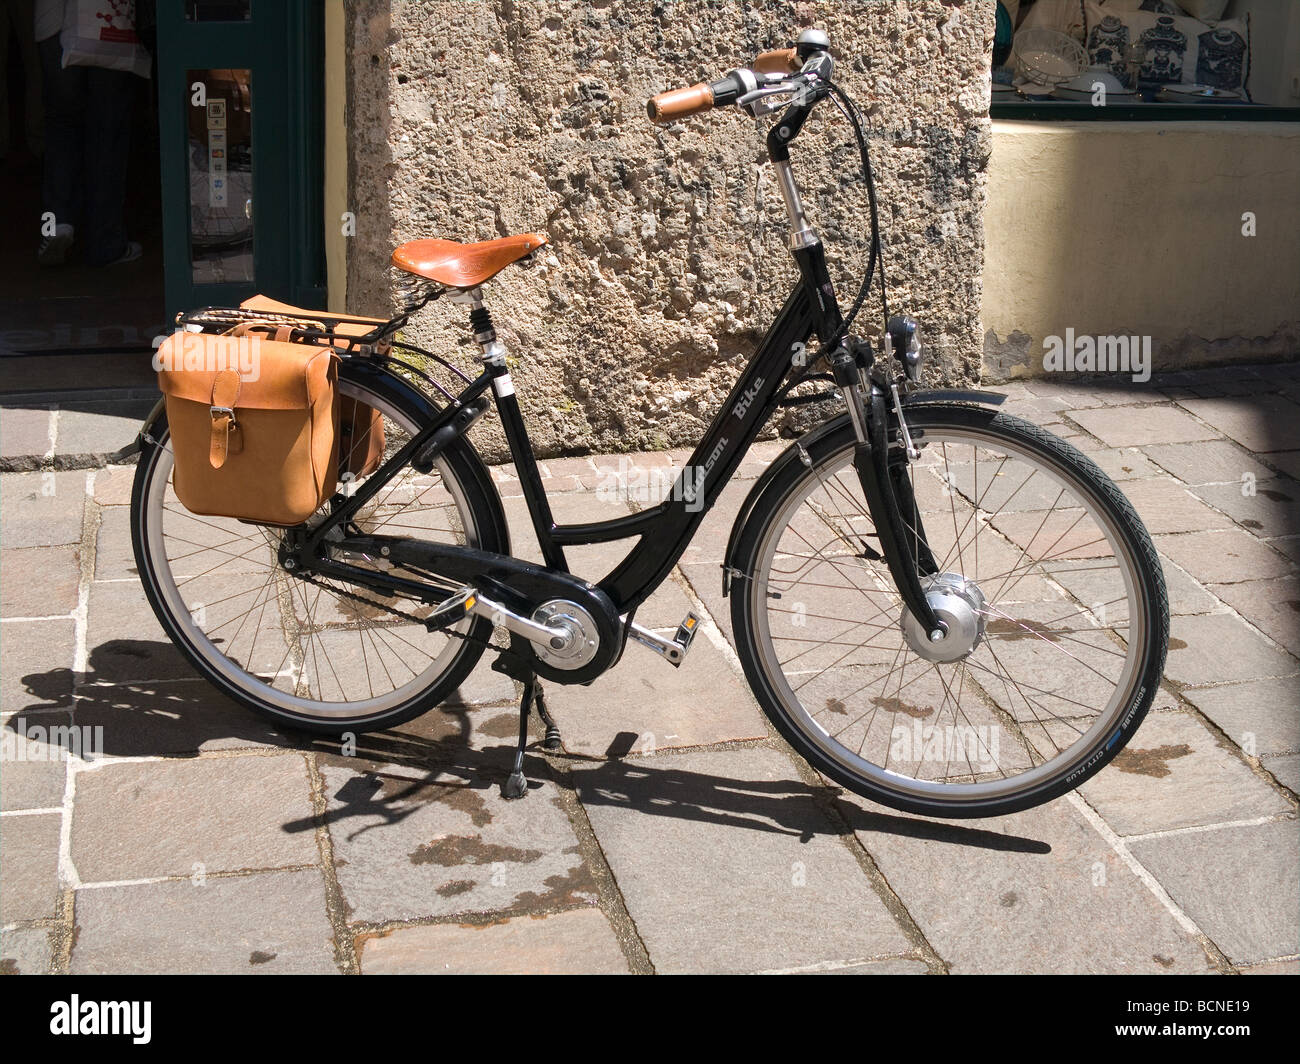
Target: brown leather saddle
(459, 265)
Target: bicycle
(940, 606)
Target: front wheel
(1047, 580)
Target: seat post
(512, 422)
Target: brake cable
(875, 258)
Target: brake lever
(761, 101)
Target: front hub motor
(960, 606)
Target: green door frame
(282, 45)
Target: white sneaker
(54, 249)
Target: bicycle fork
(886, 486)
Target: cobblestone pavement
(203, 841)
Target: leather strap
(279, 331)
(227, 438)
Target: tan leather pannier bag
(361, 427)
(258, 445)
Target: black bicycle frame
(665, 530)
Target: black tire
(790, 475)
(459, 462)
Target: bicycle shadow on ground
(443, 756)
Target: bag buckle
(219, 412)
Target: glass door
(240, 128)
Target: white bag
(102, 33)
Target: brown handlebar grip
(679, 103)
(778, 61)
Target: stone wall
(472, 120)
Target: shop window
(1142, 59)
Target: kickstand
(516, 785)
(552, 740)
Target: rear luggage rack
(314, 328)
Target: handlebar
(696, 99)
(680, 103)
(778, 61)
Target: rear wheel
(1049, 584)
(317, 654)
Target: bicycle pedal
(686, 632)
(451, 611)
(671, 650)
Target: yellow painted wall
(1136, 228)
(336, 156)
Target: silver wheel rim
(183, 613)
(1102, 730)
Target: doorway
(223, 190)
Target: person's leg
(63, 102)
(108, 150)
(23, 14)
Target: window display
(1148, 58)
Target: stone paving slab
(42, 509)
(1124, 463)
(113, 485)
(25, 434)
(1273, 606)
(1216, 648)
(1209, 462)
(90, 429)
(1271, 511)
(1259, 423)
(646, 704)
(29, 867)
(268, 924)
(577, 942)
(728, 865)
(171, 718)
(1166, 505)
(411, 845)
(38, 657)
(1287, 461)
(1100, 582)
(1285, 769)
(126, 643)
(1288, 545)
(1258, 715)
(25, 951)
(39, 581)
(33, 770)
(1224, 557)
(1156, 424)
(1238, 883)
(141, 819)
(1174, 773)
(1036, 892)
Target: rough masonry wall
(471, 120)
